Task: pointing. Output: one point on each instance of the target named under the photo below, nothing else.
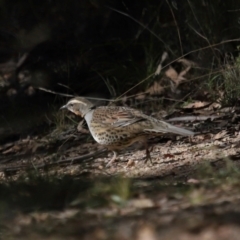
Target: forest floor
(57, 186)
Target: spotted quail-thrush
(118, 127)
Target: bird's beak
(63, 107)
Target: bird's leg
(112, 159)
(148, 155)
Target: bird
(117, 127)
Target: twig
(56, 93)
(64, 162)
(70, 95)
(88, 156)
(192, 118)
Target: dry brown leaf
(141, 203)
(177, 78)
(168, 143)
(130, 163)
(23, 220)
(198, 104)
(140, 96)
(13, 149)
(155, 89)
(40, 216)
(5, 146)
(172, 74)
(35, 147)
(193, 180)
(186, 62)
(68, 213)
(146, 233)
(220, 135)
(214, 106)
(182, 73)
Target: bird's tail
(178, 130)
(163, 127)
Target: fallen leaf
(155, 89)
(172, 74)
(141, 203)
(14, 149)
(220, 135)
(193, 180)
(186, 62)
(198, 104)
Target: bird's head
(79, 106)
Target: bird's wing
(121, 116)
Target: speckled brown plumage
(118, 127)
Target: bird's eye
(71, 105)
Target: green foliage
(229, 173)
(37, 191)
(231, 76)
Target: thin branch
(75, 160)
(178, 30)
(142, 25)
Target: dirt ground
(57, 186)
